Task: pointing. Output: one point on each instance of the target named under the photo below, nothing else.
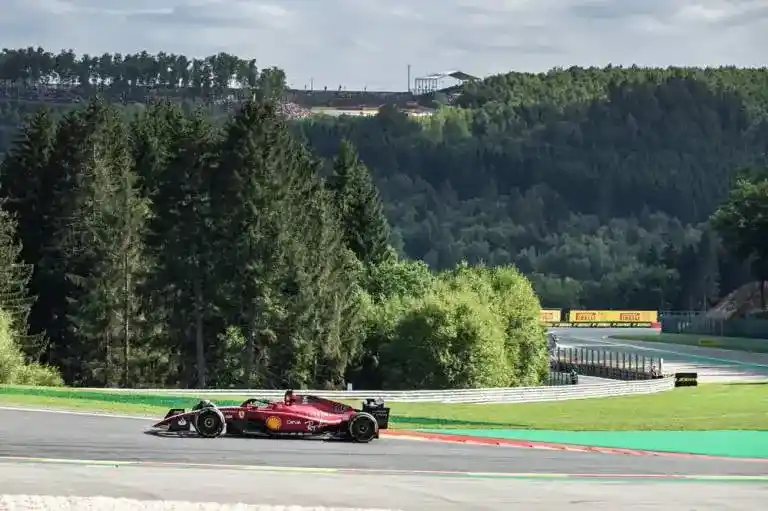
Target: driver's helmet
(288, 397)
(204, 403)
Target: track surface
(712, 364)
(384, 474)
(77, 437)
(64, 436)
(410, 492)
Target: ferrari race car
(295, 415)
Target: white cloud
(366, 42)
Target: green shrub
(13, 370)
(465, 328)
(446, 339)
(510, 295)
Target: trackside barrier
(581, 391)
(487, 395)
(615, 365)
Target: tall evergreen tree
(324, 296)
(15, 275)
(180, 243)
(153, 132)
(97, 246)
(270, 216)
(25, 185)
(250, 203)
(357, 200)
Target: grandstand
(363, 103)
(441, 82)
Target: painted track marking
(691, 356)
(434, 473)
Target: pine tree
(179, 242)
(68, 154)
(289, 282)
(324, 304)
(249, 201)
(359, 206)
(15, 275)
(152, 134)
(25, 184)
(97, 248)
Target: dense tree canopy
(171, 247)
(742, 221)
(596, 184)
(182, 234)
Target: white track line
(627, 343)
(40, 502)
(72, 412)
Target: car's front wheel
(209, 423)
(363, 427)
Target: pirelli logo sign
(585, 317)
(611, 316)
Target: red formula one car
(295, 415)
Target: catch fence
(615, 365)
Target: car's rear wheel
(209, 423)
(363, 427)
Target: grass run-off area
(704, 341)
(706, 407)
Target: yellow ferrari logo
(273, 422)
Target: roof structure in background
(458, 75)
(436, 81)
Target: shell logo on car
(273, 422)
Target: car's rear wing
(380, 412)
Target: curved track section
(712, 364)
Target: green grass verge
(707, 407)
(704, 341)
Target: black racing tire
(363, 428)
(209, 423)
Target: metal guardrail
(487, 395)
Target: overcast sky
(370, 43)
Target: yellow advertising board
(550, 315)
(596, 316)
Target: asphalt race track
(65, 436)
(85, 455)
(713, 365)
(394, 464)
